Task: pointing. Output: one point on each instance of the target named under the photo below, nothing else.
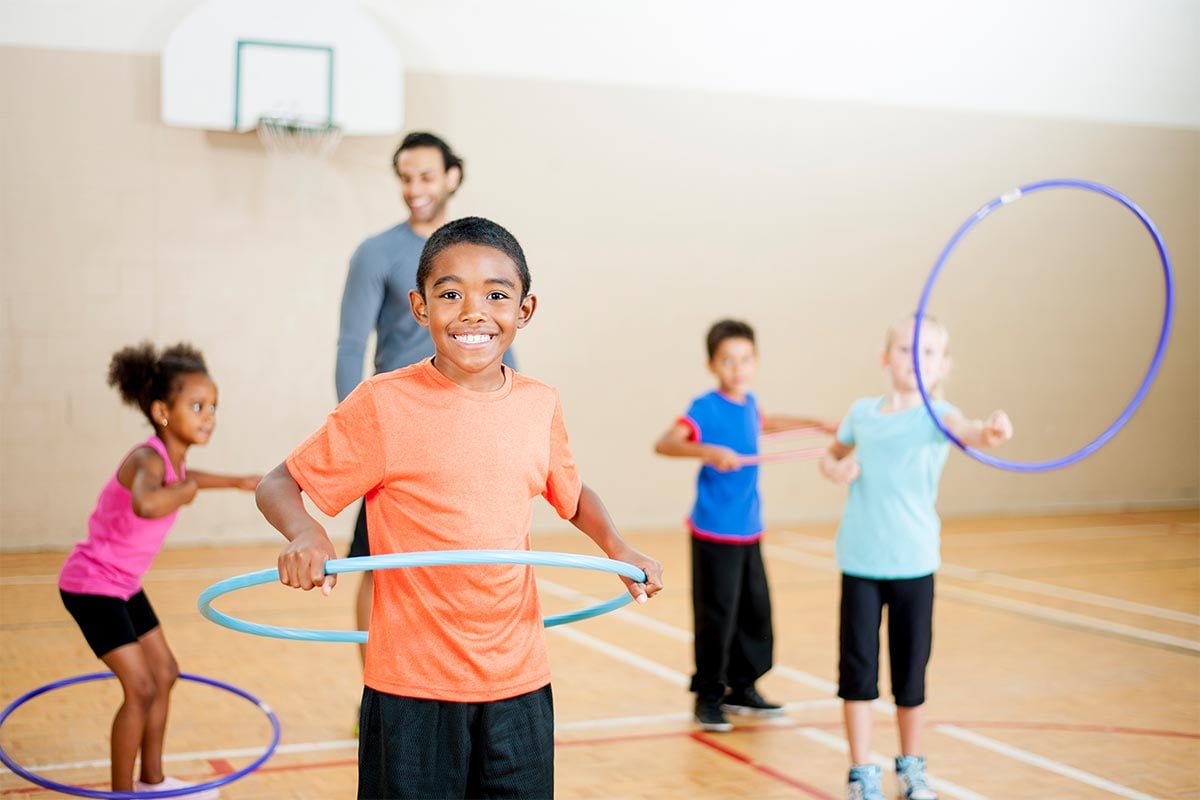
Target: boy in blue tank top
(891, 455)
(731, 601)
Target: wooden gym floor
(1066, 665)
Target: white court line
(888, 765)
(1040, 761)
(1070, 618)
(682, 716)
(242, 752)
(824, 685)
(791, 673)
(1099, 532)
(352, 744)
(817, 544)
(632, 617)
(821, 684)
(1031, 610)
(621, 654)
(1065, 593)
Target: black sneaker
(710, 717)
(748, 701)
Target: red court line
(635, 737)
(221, 767)
(345, 762)
(811, 791)
(102, 785)
(743, 728)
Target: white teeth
(473, 338)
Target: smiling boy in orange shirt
(450, 453)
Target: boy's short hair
(473, 230)
(727, 329)
(425, 139)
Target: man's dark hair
(727, 329)
(473, 230)
(424, 139)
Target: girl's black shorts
(110, 622)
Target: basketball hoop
(298, 137)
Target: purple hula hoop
(1151, 372)
(46, 783)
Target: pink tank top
(120, 546)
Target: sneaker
(749, 701)
(864, 783)
(710, 717)
(175, 783)
(910, 775)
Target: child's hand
(653, 584)
(302, 562)
(722, 459)
(247, 483)
(997, 428)
(843, 471)
(830, 426)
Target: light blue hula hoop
(1151, 372)
(432, 558)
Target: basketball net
(298, 138)
(299, 177)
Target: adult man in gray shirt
(382, 271)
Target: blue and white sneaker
(865, 783)
(910, 775)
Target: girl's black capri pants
(110, 622)
(910, 637)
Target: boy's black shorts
(413, 748)
(910, 637)
(110, 622)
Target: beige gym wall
(646, 214)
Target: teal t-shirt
(889, 528)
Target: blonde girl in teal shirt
(890, 453)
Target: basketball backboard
(315, 62)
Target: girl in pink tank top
(100, 583)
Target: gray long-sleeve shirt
(382, 271)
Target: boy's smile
(472, 305)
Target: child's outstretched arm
(213, 480)
(302, 562)
(678, 442)
(839, 464)
(994, 430)
(592, 518)
(773, 423)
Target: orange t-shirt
(446, 468)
